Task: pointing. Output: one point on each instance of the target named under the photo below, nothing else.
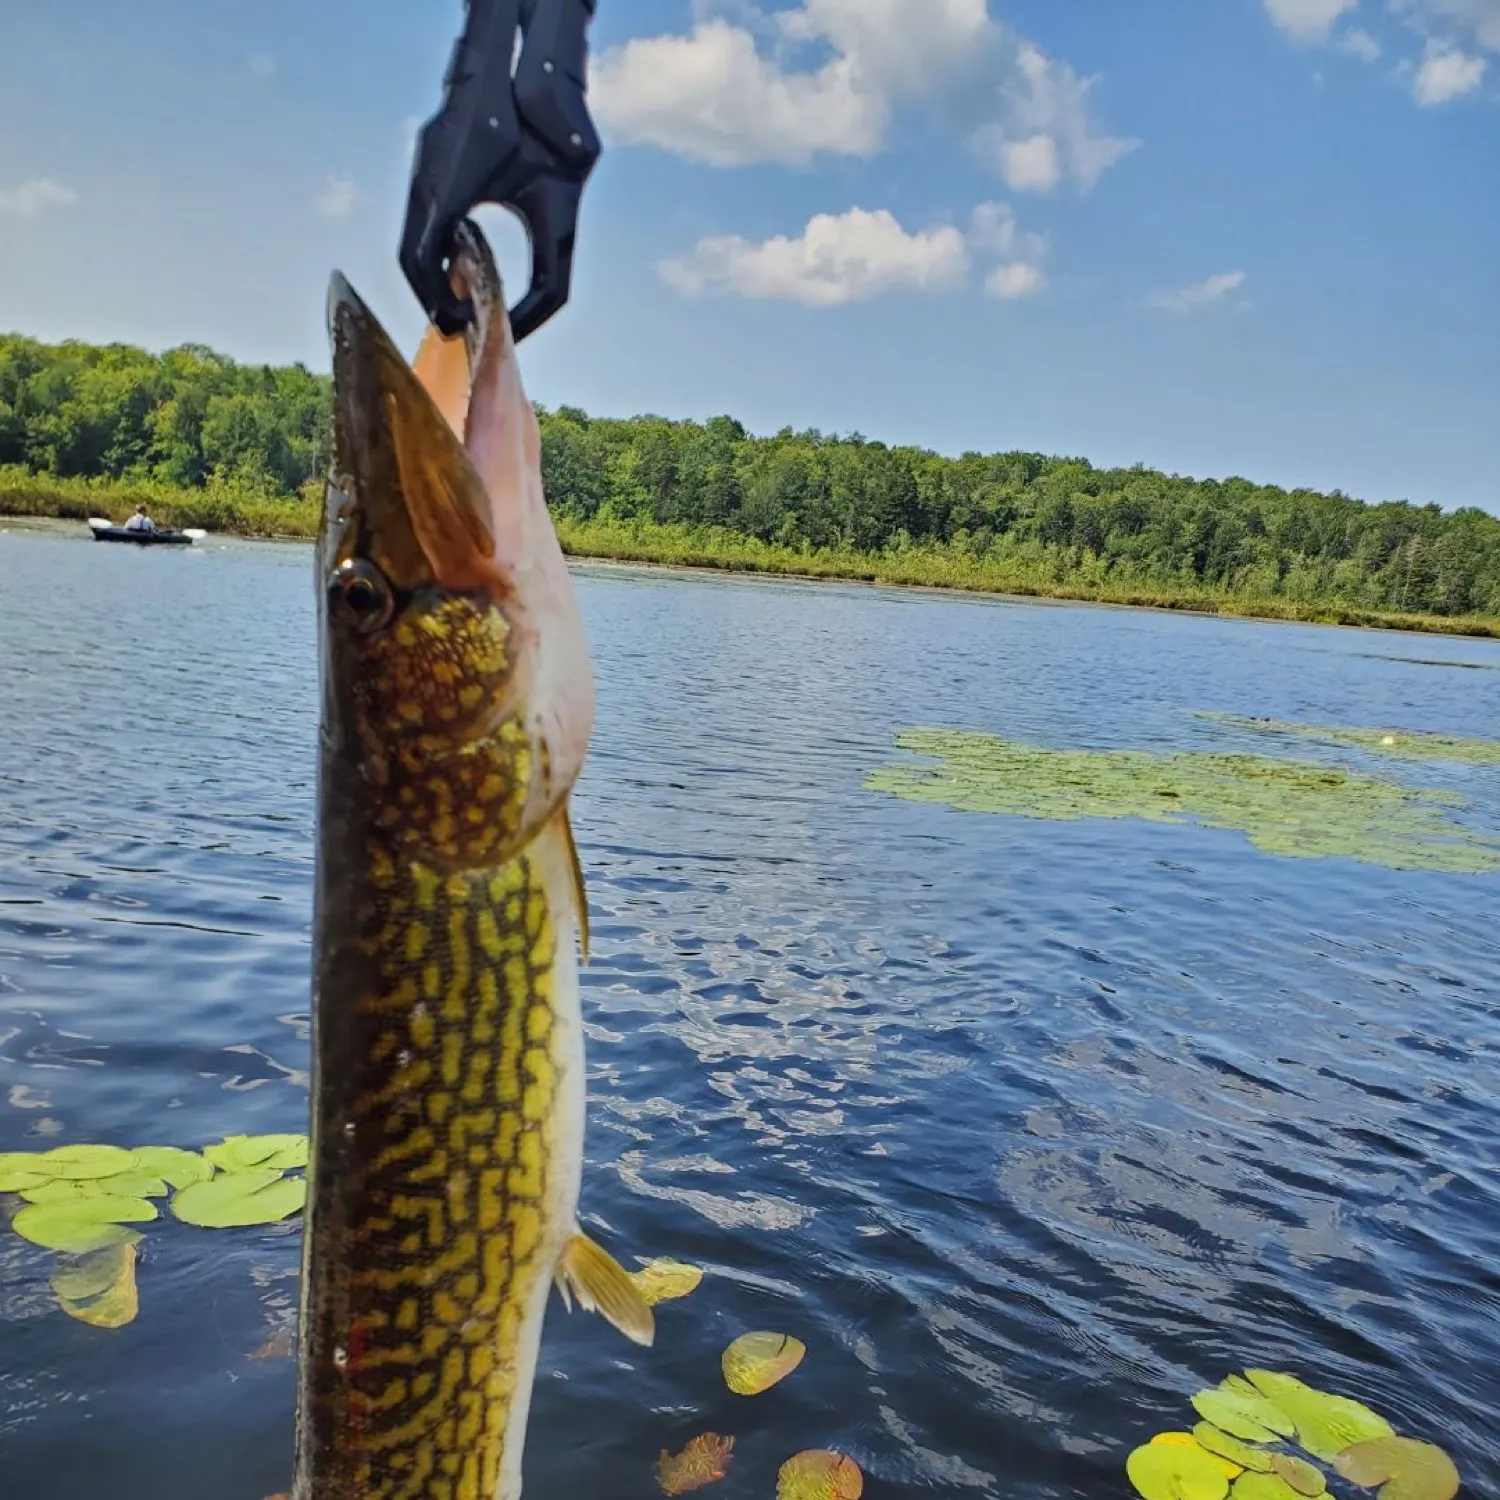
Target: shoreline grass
(1024, 572)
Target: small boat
(106, 531)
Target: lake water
(1027, 1129)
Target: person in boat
(140, 521)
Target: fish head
(455, 669)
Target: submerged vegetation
(1402, 744)
(1297, 809)
(237, 448)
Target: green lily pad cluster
(82, 1201)
(1241, 1448)
(1291, 808)
(1402, 744)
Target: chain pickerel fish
(448, 1069)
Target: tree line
(193, 418)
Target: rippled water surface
(1027, 1129)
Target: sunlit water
(1026, 1129)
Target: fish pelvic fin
(580, 892)
(589, 1272)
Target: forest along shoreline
(237, 449)
(1273, 611)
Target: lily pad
(173, 1165)
(819, 1474)
(100, 1289)
(663, 1280)
(1404, 1468)
(1289, 808)
(1187, 1440)
(234, 1200)
(1253, 1486)
(1299, 1474)
(83, 1162)
(1325, 1424)
(755, 1362)
(1245, 1455)
(237, 1153)
(19, 1180)
(1250, 1417)
(1171, 1471)
(84, 1224)
(703, 1461)
(70, 1190)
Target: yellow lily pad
(19, 1180)
(100, 1289)
(176, 1167)
(1172, 1471)
(235, 1200)
(819, 1474)
(1300, 1475)
(755, 1362)
(1253, 1486)
(20, 1170)
(70, 1190)
(1404, 1468)
(1252, 1418)
(83, 1162)
(1187, 1440)
(84, 1224)
(663, 1280)
(1242, 1455)
(237, 1153)
(1325, 1424)
(703, 1461)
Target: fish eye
(361, 591)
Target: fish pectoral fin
(589, 1272)
(580, 894)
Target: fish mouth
(410, 500)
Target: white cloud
(1446, 73)
(1203, 293)
(1357, 42)
(712, 97)
(261, 64)
(32, 199)
(338, 197)
(1014, 279)
(1045, 127)
(1479, 20)
(837, 259)
(906, 48)
(1032, 165)
(1308, 20)
(859, 255)
(994, 228)
(729, 92)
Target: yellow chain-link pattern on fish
(444, 792)
(453, 1118)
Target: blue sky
(1249, 236)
